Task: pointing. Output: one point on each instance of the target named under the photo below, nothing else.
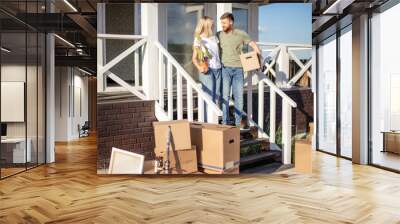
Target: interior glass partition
(327, 95)
(23, 89)
(346, 72)
(385, 89)
(14, 153)
(32, 97)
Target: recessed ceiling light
(84, 71)
(5, 50)
(338, 6)
(64, 40)
(70, 5)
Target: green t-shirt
(231, 45)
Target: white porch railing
(103, 70)
(168, 64)
(280, 55)
(169, 71)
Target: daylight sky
(287, 23)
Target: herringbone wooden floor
(69, 191)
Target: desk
(391, 141)
(18, 149)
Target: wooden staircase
(256, 152)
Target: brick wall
(125, 125)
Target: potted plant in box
(202, 53)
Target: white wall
(71, 93)
(13, 73)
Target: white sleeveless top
(212, 45)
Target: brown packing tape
(227, 166)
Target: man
(231, 41)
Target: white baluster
(211, 117)
(250, 95)
(286, 132)
(100, 64)
(189, 102)
(170, 91)
(179, 102)
(261, 108)
(136, 64)
(200, 115)
(161, 80)
(272, 115)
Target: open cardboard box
(180, 134)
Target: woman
(206, 58)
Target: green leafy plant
(278, 141)
(202, 52)
(250, 150)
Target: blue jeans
(232, 77)
(211, 84)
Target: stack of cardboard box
(182, 154)
(209, 148)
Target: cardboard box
(234, 170)
(180, 134)
(182, 161)
(250, 61)
(218, 146)
(392, 142)
(310, 132)
(303, 156)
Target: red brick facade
(125, 125)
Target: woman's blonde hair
(204, 26)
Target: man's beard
(226, 29)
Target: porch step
(260, 159)
(119, 96)
(256, 152)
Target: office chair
(84, 130)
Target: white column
(282, 75)
(101, 28)
(149, 26)
(360, 90)
(314, 90)
(221, 9)
(50, 94)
